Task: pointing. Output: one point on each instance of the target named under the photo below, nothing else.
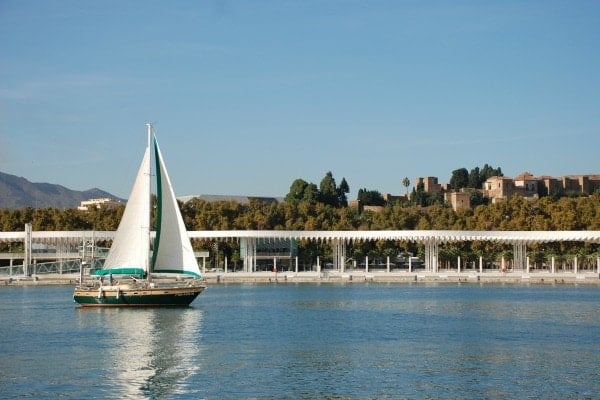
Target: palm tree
(406, 184)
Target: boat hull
(136, 297)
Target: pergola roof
(419, 236)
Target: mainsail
(129, 251)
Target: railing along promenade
(66, 248)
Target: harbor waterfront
(352, 277)
(305, 341)
(70, 255)
(267, 250)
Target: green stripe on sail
(178, 271)
(158, 205)
(119, 271)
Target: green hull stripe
(119, 271)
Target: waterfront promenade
(350, 277)
(66, 251)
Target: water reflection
(151, 352)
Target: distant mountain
(17, 192)
(237, 199)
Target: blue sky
(247, 96)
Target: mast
(149, 214)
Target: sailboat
(134, 272)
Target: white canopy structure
(431, 239)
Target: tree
(297, 190)
(406, 184)
(342, 191)
(311, 193)
(302, 191)
(460, 179)
(370, 197)
(475, 178)
(419, 196)
(477, 198)
(488, 171)
(328, 192)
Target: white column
(296, 264)
(435, 252)
(318, 265)
(553, 266)
(338, 247)
(225, 264)
(367, 264)
(502, 265)
(480, 264)
(575, 266)
(27, 260)
(410, 264)
(343, 266)
(429, 264)
(527, 264)
(388, 263)
(458, 264)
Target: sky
(248, 96)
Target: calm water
(356, 341)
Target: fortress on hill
(530, 187)
(498, 188)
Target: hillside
(18, 192)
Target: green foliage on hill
(547, 213)
(566, 213)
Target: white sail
(172, 248)
(129, 251)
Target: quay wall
(212, 278)
(405, 278)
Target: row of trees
(567, 213)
